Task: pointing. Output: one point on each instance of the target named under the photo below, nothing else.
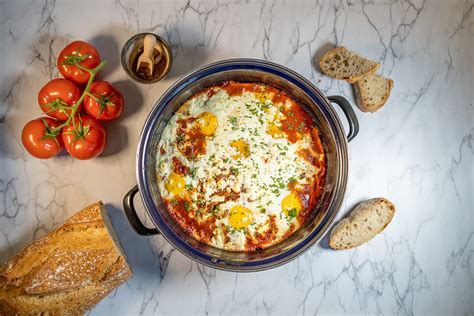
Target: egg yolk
(291, 205)
(274, 130)
(243, 149)
(263, 97)
(207, 123)
(175, 184)
(240, 217)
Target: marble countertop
(417, 151)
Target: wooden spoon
(146, 58)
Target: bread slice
(67, 271)
(367, 220)
(372, 92)
(342, 64)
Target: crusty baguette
(342, 64)
(372, 92)
(67, 271)
(368, 219)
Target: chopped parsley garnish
(256, 109)
(301, 127)
(188, 186)
(192, 172)
(278, 183)
(187, 206)
(262, 209)
(234, 171)
(233, 122)
(214, 210)
(179, 138)
(233, 231)
(292, 213)
(263, 106)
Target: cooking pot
(332, 135)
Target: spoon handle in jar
(148, 45)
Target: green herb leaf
(233, 122)
(292, 213)
(192, 172)
(187, 206)
(234, 171)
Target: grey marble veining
(417, 151)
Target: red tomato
(81, 53)
(85, 139)
(38, 139)
(106, 102)
(57, 98)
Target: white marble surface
(416, 151)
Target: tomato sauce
(310, 194)
(191, 141)
(260, 240)
(237, 88)
(203, 230)
(296, 123)
(228, 196)
(183, 123)
(308, 155)
(162, 150)
(178, 167)
(317, 145)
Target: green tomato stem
(93, 73)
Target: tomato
(57, 98)
(38, 139)
(104, 102)
(78, 53)
(85, 139)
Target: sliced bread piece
(342, 64)
(367, 220)
(372, 92)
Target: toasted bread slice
(367, 220)
(372, 92)
(342, 64)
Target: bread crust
(330, 58)
(359, 92)
(339, 235)
(67, 271)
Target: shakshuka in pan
(240, 166)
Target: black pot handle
(132, 214)
(350, 115)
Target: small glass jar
(132, 50)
